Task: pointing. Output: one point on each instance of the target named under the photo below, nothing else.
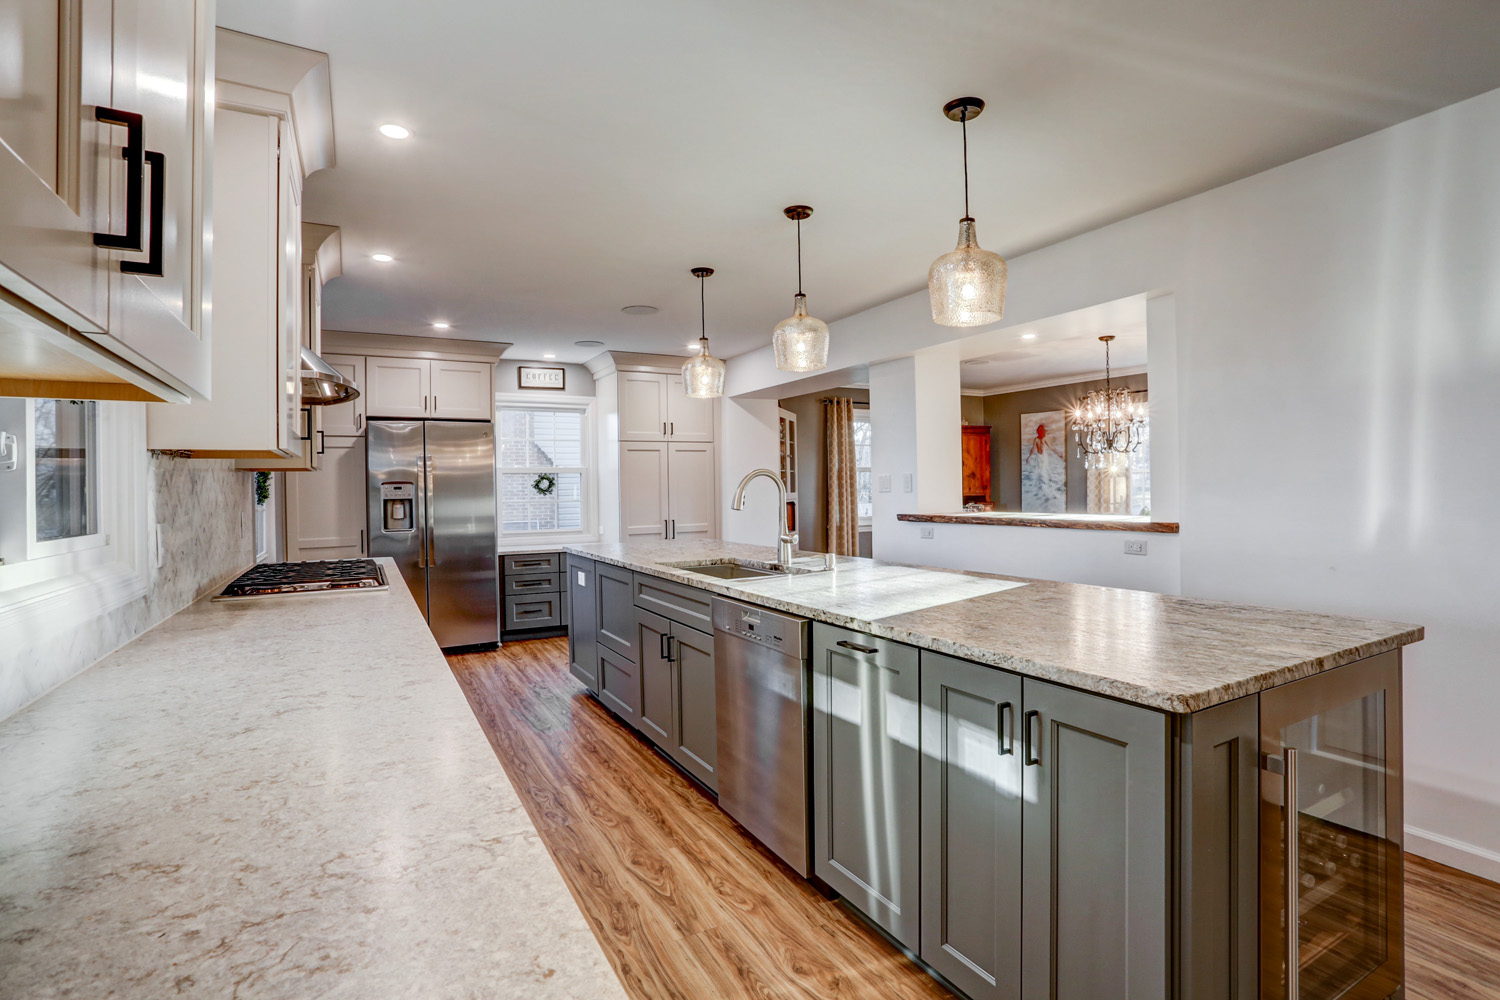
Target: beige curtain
(841, 513)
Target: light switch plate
(1135, 546)
(884, 483)
(906, 482)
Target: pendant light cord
(702, 311)
(799, 256)
(964, 124)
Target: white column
(917, 456)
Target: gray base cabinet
(678, 708)
(971, 826)
(865, 775)
(620, 685)
(1096, 845)
(583, 641)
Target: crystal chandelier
(967, 285)
(703, 374)
(1108, 422)
(800, 341)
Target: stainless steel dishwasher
(763, 693)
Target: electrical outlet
(926, 531)
(884, 483)
(906, 482)
(1135, 546)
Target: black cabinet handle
(306, 412)
(1033, 744)
(671, 650)
(134, 153)
(153, 264)
(321, 442)
(857, 648)
(1006, 722)
(661, 647)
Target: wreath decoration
(544, 484)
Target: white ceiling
(569, 158)
(1063, 348)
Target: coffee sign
(542, 378)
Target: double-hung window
(543, 470)
(864, 481)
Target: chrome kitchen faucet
(787, 539)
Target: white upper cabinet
(123, 315)
(398, 387)
(272, 126)
(418, 388)
(461, 391)
(643, 406)
(346, 419)
(653, 407)
(688, 419)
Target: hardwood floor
(688, 907)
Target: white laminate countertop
(1177, 654)
(278, 798)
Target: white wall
(1335, 356)
(748, 439)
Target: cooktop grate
(314, 576)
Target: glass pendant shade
(967, 285)
(800, 341)
(703, 374)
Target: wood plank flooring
(688, 907)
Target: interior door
(463, 580)
(55, 160)
(688, 419)
(643, 489)
(160, 71)
(1331, 834)
(690, 492)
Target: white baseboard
(1454, 853)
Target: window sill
(1095, 522)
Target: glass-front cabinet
(1330, 835)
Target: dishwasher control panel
(767, 628)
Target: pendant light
(1108, 422)
(800, 341)
(966, 285)
(703, 375)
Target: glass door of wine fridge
(1330, 835)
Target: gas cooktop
(315, 576)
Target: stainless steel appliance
(1331, 834)
(431, 501)
(763, 690)
(315, 576)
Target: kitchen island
(287, 797)
(1045, 789)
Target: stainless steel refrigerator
(431, 503)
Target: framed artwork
(542, 378)
(1044, 462)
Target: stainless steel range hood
(322, 385)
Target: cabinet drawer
(686, 605)
(521, 584)
(531, 562)
(541, 611)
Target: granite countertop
(1177, 654)
(279, 798)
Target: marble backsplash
(204, 508)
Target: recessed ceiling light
(440, 325)
(1028, 336)
(639, 310)
(384, 258)
(548, 357)
(588, 343)
(391, 131)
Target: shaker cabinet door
(865, 775)
(653, 653)
(643, 490)
(643, 406)
(1096, 845)
(346, 419)
(461, 391)
(325, 515)
(690, 490)
(688, 419)
(971, 825)
(398, 387)
(583, 650)
(697, 741)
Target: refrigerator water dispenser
(397, 501)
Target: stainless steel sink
(735, 569)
